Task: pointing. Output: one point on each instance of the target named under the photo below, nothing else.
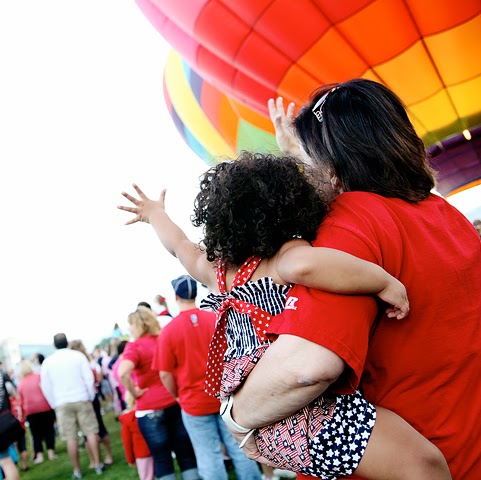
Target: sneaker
(76, 475)
(100, 469)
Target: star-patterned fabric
(337, 450)
(325, 439)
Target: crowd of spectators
(154, 382)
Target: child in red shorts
(136, 450)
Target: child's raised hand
(282, 121)
(144, 206)
(395, 294)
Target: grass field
(62, 469)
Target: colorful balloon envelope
(213, 124)
(426, 51)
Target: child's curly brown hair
(253, 205)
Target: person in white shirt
(67, 382)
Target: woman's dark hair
(361, 133)
(253, 205)
(121, 347)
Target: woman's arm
(292, 372)
(339, 272)
(126, 368)
(171, 236)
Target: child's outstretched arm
(339, 272)
(171, 235)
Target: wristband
(242, 444)
(225, 413)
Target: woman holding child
(368, 157)
(425, 367)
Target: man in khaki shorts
(67, 382)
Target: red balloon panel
(442, 15)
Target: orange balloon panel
(388, 20)
(411, 74)
(427, 51)
(456, 52)
(436, 16)
(256, 49)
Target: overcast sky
(82, 116)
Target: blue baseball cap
(185, 287)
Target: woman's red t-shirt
(140, 353)
(427, 366)
(31, 395)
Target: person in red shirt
(181, 359)
(158, 414)
(38, 412)
(136, 450)
(17, 410)
(425, 367)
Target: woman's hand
(139, 391)
(250, 448)
(282, 120)
(144, 206)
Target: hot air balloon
(212, 123)
(426, 51)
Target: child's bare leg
(396, 451)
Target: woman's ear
(335, 184)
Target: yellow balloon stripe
(189, 110)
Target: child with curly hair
(259, 214)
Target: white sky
(82, 116)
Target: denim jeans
(207, 433)
(165, 433)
